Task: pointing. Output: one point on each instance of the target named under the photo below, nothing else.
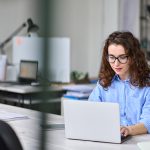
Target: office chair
(8, 138)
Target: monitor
(28, 71)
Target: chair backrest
(8, 138)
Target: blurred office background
(82, 24)
(86, 22)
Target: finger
(124, 131)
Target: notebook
(94, 121)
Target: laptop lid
(94, 121)
(28, 71)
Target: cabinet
(145, 26)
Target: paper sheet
(8, 116)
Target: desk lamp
(31, 28)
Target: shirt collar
(116, 77)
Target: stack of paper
(81, 91)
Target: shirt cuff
(146, 124)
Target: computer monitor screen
(28, 71)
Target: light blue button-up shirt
(134, 101)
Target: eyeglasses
(122, 59)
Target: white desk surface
(28, 132)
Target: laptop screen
(28, 71)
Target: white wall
(13, 14)
(111, 17)
(87, 23)
(75, 19)
(129, 18)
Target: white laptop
(94, 121)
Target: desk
(27, 131)
(10, 92)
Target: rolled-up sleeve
(145, 116)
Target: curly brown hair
(139, 69)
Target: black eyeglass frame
(118, 58)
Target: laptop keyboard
(124, 138)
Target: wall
(81, 21)
(13, 14)
(129, 18)
(87, 23)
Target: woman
(124, 78)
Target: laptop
(28, 71)
(93, 121)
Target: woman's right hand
(124, 131)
